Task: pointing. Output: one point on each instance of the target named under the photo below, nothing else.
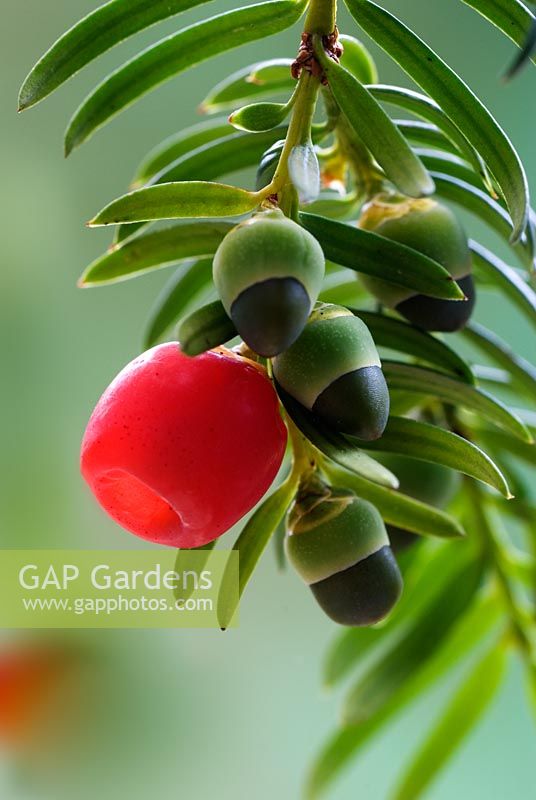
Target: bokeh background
(190, 713)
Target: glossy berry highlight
(268, 272)
(432, 229)
(178, 449)
(338, 545)
(334, 370)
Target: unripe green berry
(338, 544)
(268, 272)
(430, 483)
(334, 370)
(432, 229)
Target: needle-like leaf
(514, 19)
(424, 107)
(431, 443)
(173, 55)
(523, 372)
(188, 283)
(249, 83)
(220, 157)
(345, 745)
(461, 714)
(399, 509)
(376, 255)
(154, 250)
(205, 328)
(99, 31)
(177, 201)
(426, 134)
(252, 542)
(184, 592)
(501, 443)
(429, 569)
(387, 674)
(428, 382)
(377, 131)
(259, 117)
(335, 446)
(457, 100)
(210, 161)
(357, 59)
(526, 54)
(405, 338)
(179, 145)
(483, 206)
(507, 280)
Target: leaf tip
(428, 187)
(98, 222)
(25, 98)
(460, 296)
(70, 142)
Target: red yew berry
(178, 449)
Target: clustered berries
(432, 229)
(178, 449)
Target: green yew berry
(268, 272)
(427, 482)
(432, 229)
(338, 544)
(334, 370)
(268, 164)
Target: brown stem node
(306, 58)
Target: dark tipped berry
(338, 544)
(432, 229)
(334, 370)
(268, 272)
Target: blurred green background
(191, 713)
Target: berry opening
(137, 507)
